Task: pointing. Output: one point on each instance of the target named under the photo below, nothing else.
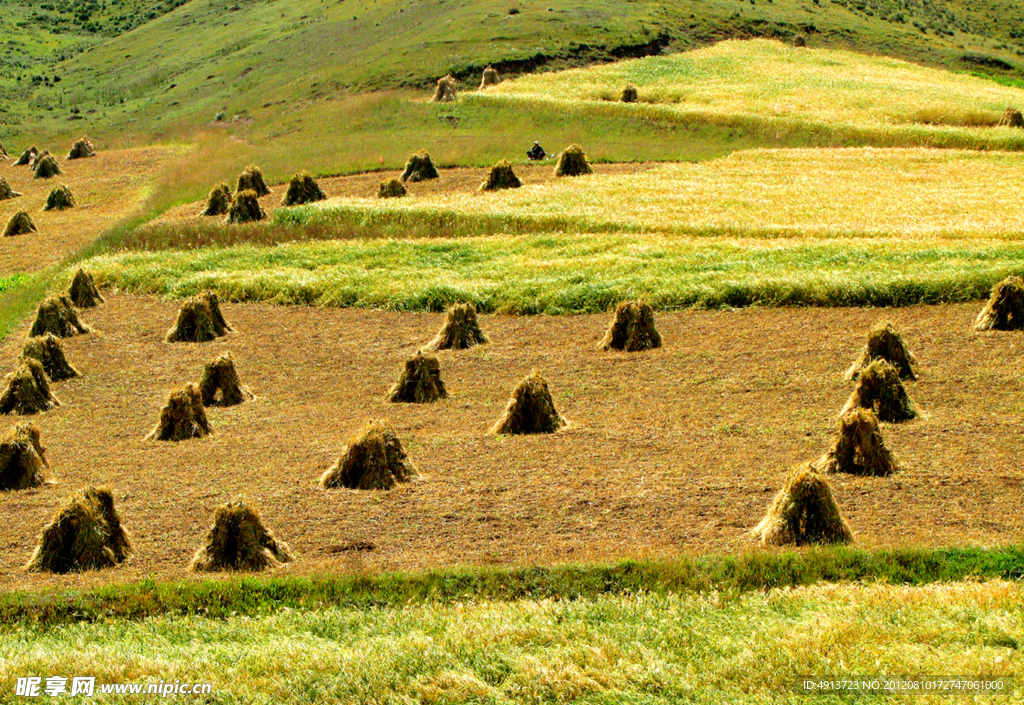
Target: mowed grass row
(636, 648)
(887, 102)
(910, 193)
(562, 273)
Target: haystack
(83, 292)
(1005, 307)
(59, 199)
(460, 330)
(46, 168)
(81, 149)
(879, 388)
(219, 200)
(374, 460)
(182, 417)
(490, 77)
(303, 188)
(573, 162)
(220, 385)
(85, 534)
(501, 177)
(419, 168)
(22, 459)
(629, 94)
(47, 350)
(27, 156)
(632, 329)
(799, 41)
(57, 315)
(391, 188)
(3, 152)
(251, 179)
(1011, 118)
(804, 512)
(445, 91)
(238, 540)
(6, 191)
(199, 320)
(530, 410)
(859, 449)
(39, 156)
(27, 390)
(245, 208)
(19, 224)
(884, 343)
(420, 381)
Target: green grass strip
(740, 573)
(558, 274)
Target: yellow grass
(769, 79)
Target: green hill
(184, 65)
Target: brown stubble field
(107, 188)
(673, 451)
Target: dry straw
(220, 385)
(23, 461)
(238, 540)
(57, 315)
(374, 460)
(218, 202)
(1005, 307)
(6, 191)
(182, 417)
(245, 208)
(81, 149)
(859, 448)
(84, 534)
(27, 157)
(46, 167)
(420, 382)
(500, 177)
(445, 91)
(19, 224)
(83, 292)
(573, 162)
(420, 167)
(884, 343)
(48, 352)
(632, 329)
(391, 188)
(251, 179)
(1011, 118)
(629, 94)
(303, 188)
(3, 152)
(803, 512)
(460, 330)
(27, 390)
(199, 320)
(490, 77)
(59, 199)
(530, 409)
(880, 388)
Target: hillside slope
(209, 57)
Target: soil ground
(677, 450)
(455, 180)
(107, 188)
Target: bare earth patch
(107, 188)
(674, 450)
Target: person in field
(536, 153)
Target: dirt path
(677, 450)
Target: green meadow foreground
(655, 648)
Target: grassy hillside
(231, 57)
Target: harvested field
(107, 188)
(678, 450)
